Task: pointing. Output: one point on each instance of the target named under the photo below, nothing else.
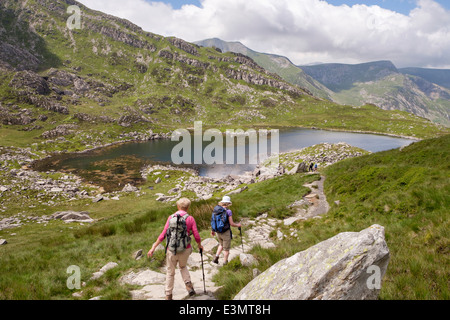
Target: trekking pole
(242, 242)
(203, 271)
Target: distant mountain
(438, 76)
(272, 63)
(379, 82)
(338, 77)
(382, 84)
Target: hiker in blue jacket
(225, 236)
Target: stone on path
(340, 268)
(209, 244)
(247, 259)
(102, 271)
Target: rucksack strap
(176, 233)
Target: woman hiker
(180, 225)
(225, 236)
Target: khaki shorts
(225, 240)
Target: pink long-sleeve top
(191, 227)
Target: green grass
(34, 262)
(272, 196)
(407, 192)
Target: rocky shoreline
(50, 188)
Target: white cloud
(305, 31)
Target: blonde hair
(184, 203)
(227, 204)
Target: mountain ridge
(377, 82)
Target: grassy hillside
(110, 80)
(408, 192)
(35, 260)
(274, 63)
(439, 76)
(379, 82)
(400, 92)
(382, 84)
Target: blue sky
(400, 6)
(305, 31)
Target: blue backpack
(219, 220)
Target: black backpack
(219, 220)
(177, 236)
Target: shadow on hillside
(21, 47)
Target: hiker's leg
(219, 250)
(226, 253)
(182, 260)
(226, 246)
(171, 263)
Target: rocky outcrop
(26, 82)
(21, 117)
(72, 216)
(103, 270)
(185, 46)
(248, 75)
(129, 188)
(299, 167)
(34, 89)
(84, 117)
(121, 36)
(183, 59)
(324, 154)
(61, 130)
(340, 268)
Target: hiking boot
(168, 297)
(190, 288)
(216, 260)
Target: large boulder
(298, 168)
(348, 266)
(129, 188)
(72, 216)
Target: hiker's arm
(159, 240)
(195, 232)
(237, 225)
(152, 250)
